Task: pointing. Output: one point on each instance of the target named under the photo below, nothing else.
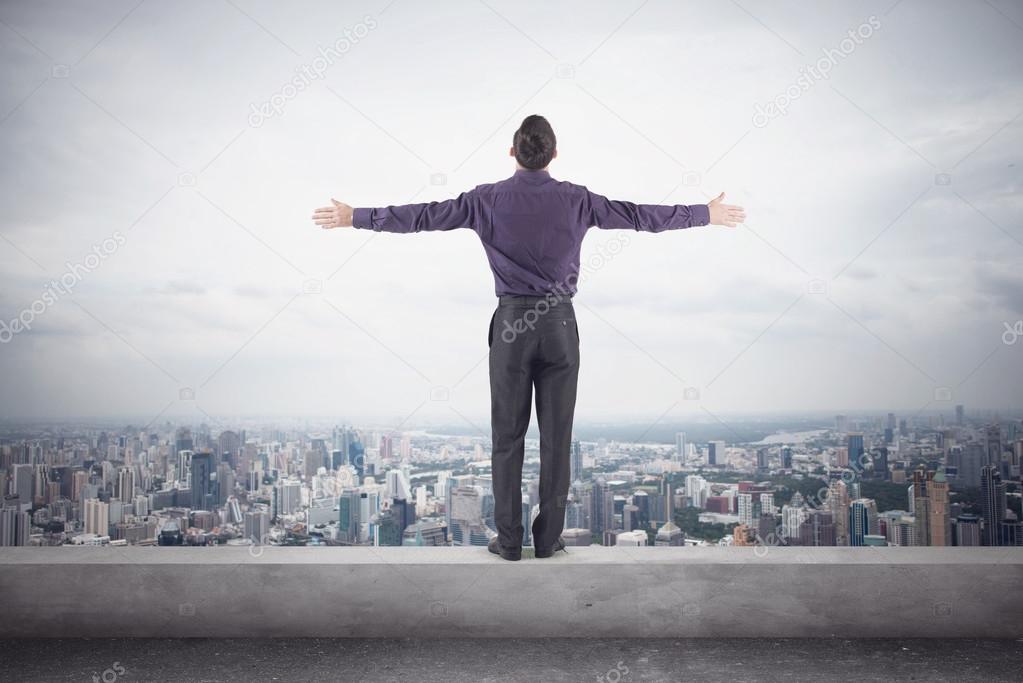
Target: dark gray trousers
(534, 342)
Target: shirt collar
(531, 176)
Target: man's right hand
(725, 214)
(339, 215)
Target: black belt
(529, 300)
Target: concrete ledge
(469, 593)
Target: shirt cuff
(362, 218)
(700, 214)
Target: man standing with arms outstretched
(532, 227)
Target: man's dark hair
(534, 142)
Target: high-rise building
(992, 503)
(126, 484)
(289, 496)
(467, 517)
(960, 413)
(202, 481)
(993, 445)
(349, 505)
(576, 464)
(15, 526)
(879, 463)
(824, 528)
(697, 490)
(386, 528)
(716, 453)
(97, 517)
(680, 447)
(602, 515)
(786, 458)
(862, 520)
(855, 447)
(968, 530)
(929, 504)
(257, 525)
(838, 506)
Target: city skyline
(882, 479)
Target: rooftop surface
(475, 660)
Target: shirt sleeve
(614, 214)
(449, 214)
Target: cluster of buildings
(341, 486)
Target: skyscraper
(257, 525)
(576, 464)
(968, 530)
(930, 508)
(992, 503)
(126, 484)
(97, 517)
(855, 446)
(786, 458)
(15, 526)
(838, 506)
(862, 520)
(202, 481)
(879, 461)
(716, 453)
(602, 515)
(348, 506)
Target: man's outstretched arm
(612, 214)
(459, 212)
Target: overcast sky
(879, 268)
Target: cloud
(896, 183)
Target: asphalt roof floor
(452, 660)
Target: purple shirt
(532, 226)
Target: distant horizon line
(830, 414)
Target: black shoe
(549, 552)
(513, 554)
